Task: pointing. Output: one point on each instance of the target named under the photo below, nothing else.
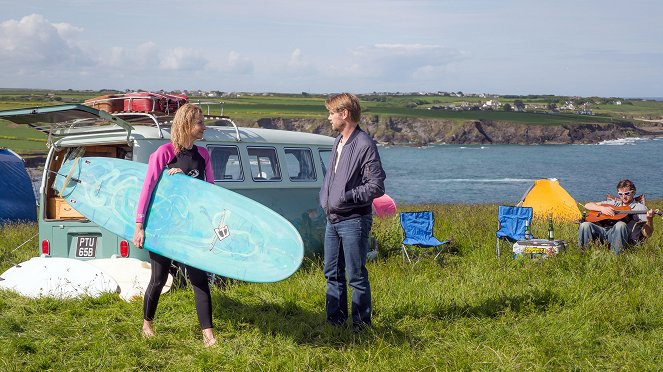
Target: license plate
(86, 246)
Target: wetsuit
(194, 163)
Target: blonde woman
(178, 156)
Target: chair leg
(404, 254)
(498, 247)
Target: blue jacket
(359, 178)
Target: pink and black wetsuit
(164, 157)
(195, 163)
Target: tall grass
(583, 310)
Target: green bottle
(528, 233)
(551, 231)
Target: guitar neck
(630, 212)
(617, 211)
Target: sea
(477, 174)
(471, 174)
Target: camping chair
(418, 232)
(511, 223)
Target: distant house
(491, 105)
(568, 106)
(533, 107)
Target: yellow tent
(547, 196)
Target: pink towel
(384, 206)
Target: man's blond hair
(345, 101)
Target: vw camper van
(281, 169)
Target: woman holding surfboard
(178, 156)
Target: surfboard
(189, 220)
(57, 277)
(132, 275)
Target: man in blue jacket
(355, 177)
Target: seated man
(632, 229)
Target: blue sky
(563, 47)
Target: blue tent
(17, 197)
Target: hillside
(405, 130)
(401, 119)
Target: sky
(565, 47)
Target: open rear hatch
(68, 120)
(100, 134)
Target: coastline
(421, 132)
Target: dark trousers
(199, 282)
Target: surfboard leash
(15, 249)
(74, 179)
(70, 175)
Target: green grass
(582, 310)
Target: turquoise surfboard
(189, 220)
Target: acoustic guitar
(620, 214)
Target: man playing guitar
(618, 233)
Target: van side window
(226, 163)
(264, 164)
(324, 159)
(300, 164)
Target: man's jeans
(346, 246)
(618, 235)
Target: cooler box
(538, 248)
(145, 102)
(109, 103)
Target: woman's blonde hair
(185, 118)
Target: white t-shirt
(338, 153)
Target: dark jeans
(346, 246)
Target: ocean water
(503, 173)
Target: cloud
(142, 57)
(404, 61)
(34, 50)
(35, 41)
(297, 60)
(238, 64)
(183, 59)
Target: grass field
(583, 310)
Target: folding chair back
(418, 231)
(512, 222)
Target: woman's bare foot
(147, 329)
(208, 337)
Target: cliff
(426, 131)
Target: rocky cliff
(425, 131)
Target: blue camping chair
(511, 224)
(418, 232)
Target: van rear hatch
(68, 120)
